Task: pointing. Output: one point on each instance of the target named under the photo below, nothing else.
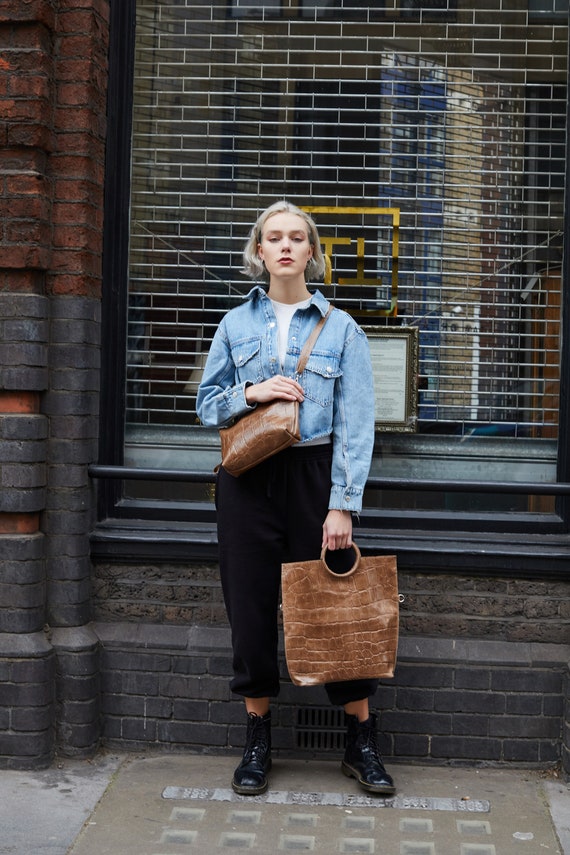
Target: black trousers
(272, 514)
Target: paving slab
(169, 804)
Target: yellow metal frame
(360, 279)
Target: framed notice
(394, 354)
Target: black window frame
(130, 530)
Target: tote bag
(340, 626)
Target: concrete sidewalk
(163, 804)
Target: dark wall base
(472, 701)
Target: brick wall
(52, 105)
(441, 606)
(472, 701)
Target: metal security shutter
(452, 111)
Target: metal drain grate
(320, 728)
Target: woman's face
(285, 246)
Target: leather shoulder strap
(310, 343)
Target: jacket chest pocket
(246, 356)
(319, 378)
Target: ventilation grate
(320, 728)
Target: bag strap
(310, 343)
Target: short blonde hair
(253, 265)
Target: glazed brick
(403, 721)
(135, 730)
(19, 501)
(192, 734)
(526, 680)
(468, 748)
(524, 705)
(23, 428)
(525, 727)
(79, 712)
(25, 476)
(424, 676)
(478, 702)
(136, 705)
(28, 744)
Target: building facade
(140, 141)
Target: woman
(302, 499)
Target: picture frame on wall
(394, 353)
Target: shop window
(235, 106)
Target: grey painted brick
(25, 329)
(461, 701)
(526, 680)
(80, 403)
(520, 750)
(22, 354)
(69, 501)
(404, 721)
(176, 686)
(72, 545)
(553, 705)
(83, 663)
(63, 593)
(82, 332)
(73, 427)
(28, 744)
(14, 305)
(192, 734)
(75, 379)
(415, 699)
(60, 522)
(74, 308)
(469, 748)
(410, 745)
(64, 568)
(472, 678)
(77, 688)
(190, 665)
(19, 501)
(525, 726)
(32, 718)
(23, 377)
(15, 451)
(190, 710)
(139, 683)
(22, 596)
(78, 739)
(425, 676)
(215, 689)
(59, 615)
(470, 725)
(549, 751)
(63, 355)
(66, 451)
(135, 730)
(227, 713)
(79, 712)
(22, 547)
(27, 694)
(64, 476)
(133, 661)
(23, 427)
(21, 572)
(523, 704)
(22, 620)
(23, 475)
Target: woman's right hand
(276, 387)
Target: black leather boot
(362, 758)
(250, 777)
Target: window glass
(451, 114)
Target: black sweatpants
(272, 514)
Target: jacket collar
(317, 299)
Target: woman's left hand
(337, 530)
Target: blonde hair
(253, 265)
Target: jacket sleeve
(220, 399)
(353, 425)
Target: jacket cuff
(235, 400)
(345, 499)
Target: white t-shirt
(284, 313)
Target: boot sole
(249, 791)
(370, 788)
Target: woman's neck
(288, 292)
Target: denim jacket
(337, 382)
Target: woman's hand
(276, 387)
(337, 530)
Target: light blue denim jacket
(337, 382)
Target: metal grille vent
(320, 728)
